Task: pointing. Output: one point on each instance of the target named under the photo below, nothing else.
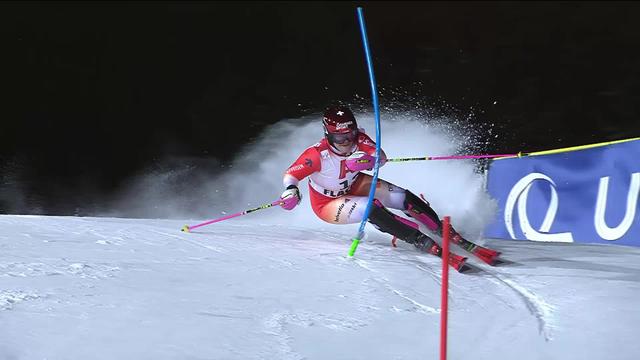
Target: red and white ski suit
(337, 195)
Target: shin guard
(385, 221)
(421, 211)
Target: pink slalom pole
(444, 307)
(456, 157)
(460, 157)
(188, 228)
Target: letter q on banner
(518, 195)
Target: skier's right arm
(306, 164)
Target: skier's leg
(385, 221)
(421, 211)
(408, 231)
(395, 197)
(390, 195)
(350, 209)
(342, 210)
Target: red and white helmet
(339, 125)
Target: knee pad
(420, 210)
(385, 221)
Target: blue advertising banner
(578, 196)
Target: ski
(456, 261)
(487, 255)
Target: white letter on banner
(519, 194)
(602, 228)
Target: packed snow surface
(267, 288)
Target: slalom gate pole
(444, 307)
(376, 109)
(455, 157)
(188, 228)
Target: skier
(339, 190)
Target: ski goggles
(339, 138)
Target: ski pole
(188, 228)
(456, 157)
(376, 109)
(518, 155)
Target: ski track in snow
(417, 306)
(537, 306)
(276, 326)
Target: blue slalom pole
(374, 95)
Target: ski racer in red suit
(339, 191)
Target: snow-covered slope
(249, 288)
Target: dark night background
(95, 91)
